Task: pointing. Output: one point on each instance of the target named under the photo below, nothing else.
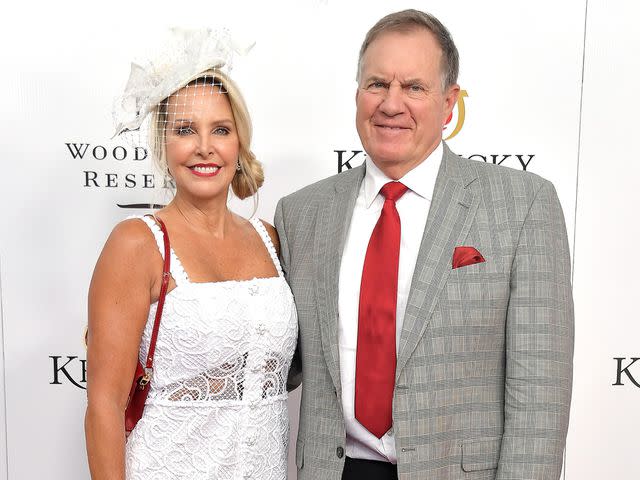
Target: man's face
(401, 107)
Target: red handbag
(142, 377)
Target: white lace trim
(219, 403)
(266, 239)
(177, 270)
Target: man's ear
(450, 100)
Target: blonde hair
(250, 177)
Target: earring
(238, 166)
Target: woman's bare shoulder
(132, 235)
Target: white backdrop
(521, 67)
(605, 419)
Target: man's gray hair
(407, 21)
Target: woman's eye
(184, 130)
(221, 131)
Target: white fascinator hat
(180, 59)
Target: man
(433, 292)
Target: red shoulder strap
(166, 274)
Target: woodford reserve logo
(116, 166)
(452, 128)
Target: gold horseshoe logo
(461, 114)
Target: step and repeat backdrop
(547, 87)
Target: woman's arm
(123, 284)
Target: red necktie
(376, 350)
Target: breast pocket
(481, 454)
(481, 286)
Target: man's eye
(377, 85)
(416, 88)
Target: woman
(217, 401)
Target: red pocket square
(463, 256)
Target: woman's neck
(212, 217)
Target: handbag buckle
(146, 378)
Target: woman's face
(202, 143)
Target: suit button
(340, 452)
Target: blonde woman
(217, 401)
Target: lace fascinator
(182, 58)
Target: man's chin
(389, 158)
(393, 167)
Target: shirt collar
(420, 180)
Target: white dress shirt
(413, 208)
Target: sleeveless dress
(217, 407)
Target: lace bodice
(217, 403)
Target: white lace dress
(217, 408)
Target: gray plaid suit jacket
(484, 369)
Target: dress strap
(264, 235)
(177, 271)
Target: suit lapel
(334, 217)
(451, 213)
